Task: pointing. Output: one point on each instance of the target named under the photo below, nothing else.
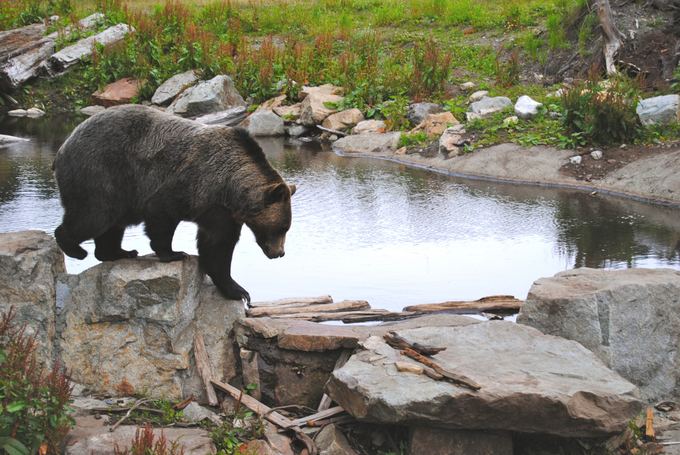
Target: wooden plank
(455, 378)
(326, 414)
(345, 305)
(486, 304)
(294, 301)
(649, 424)
(347, 316)
(254, 405)
(396, 341)
(204, 367)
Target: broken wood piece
(408, 367)
(649, 424)
(332, 131)
(205, 370)
(448, 375)
(338, 420)
(254, 405)
(293, 301)
(505, 303)
(309, 420)
(345, 305)
(137, 404)
(396, 341)
(325, 403)
(183, 404)
(347, 317)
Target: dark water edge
(380, 231)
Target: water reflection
(379, 231)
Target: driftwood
(294, 301)
(344, 306)
(137, 404)
(613, 37)
(267, 413)
(204, 368)
(506, 303)
(448, 375)
(346, 316)
(398, 342)
(649, 424)
(332, 131)
(312, 419)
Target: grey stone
(331, 441)
(418, 111)
(229, 117)
(7, 140)
(526, 107)
(91, 436)
(367, 143)
(264, 123)
(29, 264)
(296, 130)
(315, 106)
(195, 413)
(467, 86)
(206, 97)
(596, 154)
(478, 95)
(34, 112)
(92, 110)
(128, 327)
(659, 110)
(576, 159)
(488, 106)
(18, 113)
(451, 141)
(530, 382)
(89, 22)
(171, 88)
(628, 318)
(370, 126)
(434, 441)
(69, 56)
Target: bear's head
(271, 224)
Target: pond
(379, 231)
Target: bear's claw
(234, 291)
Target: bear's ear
(292, 189)
(276, 193)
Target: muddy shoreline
(644, 180)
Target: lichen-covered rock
(128, 327)
(206, 97)
(172, 87)
(628, 318)
(530, 383)
(29, 264)
(659, 110)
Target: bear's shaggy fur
(133, 164)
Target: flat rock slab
(207, 97)
(169, 89)
(120, 92)
(531, 383)
(229, 117)
(367, 143)
(628, 318)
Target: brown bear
(132, 164)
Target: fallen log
(398, 342)
(448, 375)
(332, 131)
(325, 414)
(344, 306)
(293, 301)
(505, 303)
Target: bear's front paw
(232, 290)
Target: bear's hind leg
(160, 231)
(68, 244)
(107, 245)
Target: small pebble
(596, 154)
(576, 159)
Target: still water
(379, 231)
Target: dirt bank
(654, 178)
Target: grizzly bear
(132, 164)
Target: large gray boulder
(206, 97)
(628, 318)
(530, 383)
(128, 327)
(172, 87)
(264, 123)
(29, 264)
(659, 110)
(229, 117)
(367, 143)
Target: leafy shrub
(413, 139)
(602, 112)
(34, 411)
(394, 112)
(145, 443)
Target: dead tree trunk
(613, 38)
